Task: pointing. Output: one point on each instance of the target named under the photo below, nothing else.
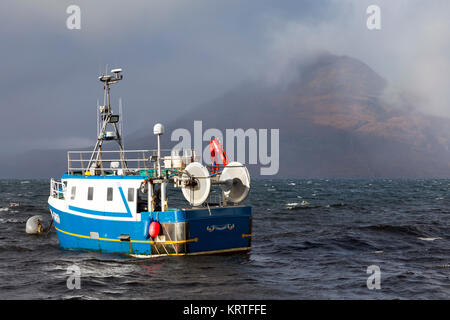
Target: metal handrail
(138, 159)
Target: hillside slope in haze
(336, 116)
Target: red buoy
(153, 230)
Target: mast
(107, 119)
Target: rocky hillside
(337, 118)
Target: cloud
(177, 54)
(49, 143)
(411, 50)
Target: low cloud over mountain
(337, 118)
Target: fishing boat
(118, 200)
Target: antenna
(98, 123)
(107, 118)
(121, 117)
(158, 130)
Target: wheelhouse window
(130, 194)
(73, 192)
(109, 194)
(90, 193)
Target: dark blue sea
(312, 239)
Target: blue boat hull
(183, 232)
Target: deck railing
(127, 162)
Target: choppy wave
(311, 238)
(305, 205)
(409, 230)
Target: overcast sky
(178, 54)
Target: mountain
(336, 118)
